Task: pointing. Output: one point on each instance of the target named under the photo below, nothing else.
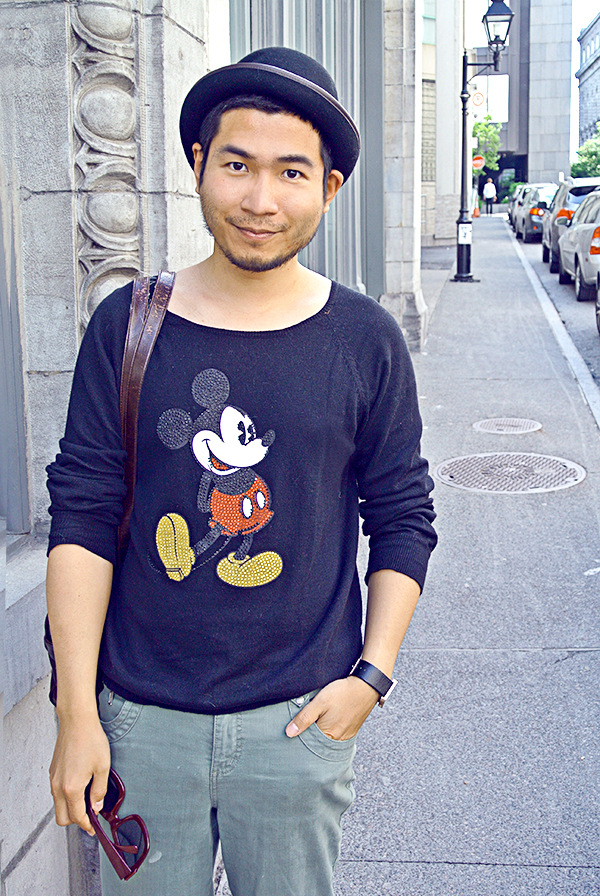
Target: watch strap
(374, 677)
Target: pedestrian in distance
(489, 194)
(234, 676)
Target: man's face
(262, 189)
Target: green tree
(487, 134)
(588, 157)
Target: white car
(579, 248)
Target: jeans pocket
(117, 715)
(319, 743)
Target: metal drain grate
(509, 425)
(509, 473)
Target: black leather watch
(375, 677)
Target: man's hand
(339, 709)
(78, 587)
(82, 752)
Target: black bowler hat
(280, 74)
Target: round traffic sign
(478, 162)
(478, 98)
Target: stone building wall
(402, 165)
(549, 89)
(589, 80)
(94, 186)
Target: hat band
(291, 76)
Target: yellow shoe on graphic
(173, 543)
(251, 571)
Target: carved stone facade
(104, 121)
(94, 186)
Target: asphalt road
(578, 317)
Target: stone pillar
(403, 20)
(448, 54)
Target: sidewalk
(481, 775)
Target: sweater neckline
(178, 320)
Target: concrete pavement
(481, 775)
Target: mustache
(256, 224)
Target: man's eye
(292, 174)
(237, 166)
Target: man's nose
(260, 198)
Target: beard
(257, 263)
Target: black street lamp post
(497, 25)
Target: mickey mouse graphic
(223, 440)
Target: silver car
(579, 248)
(569, 196)
(531, 210)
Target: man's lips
(257, 234)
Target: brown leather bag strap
(145, 320)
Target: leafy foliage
(506, 187)
(588, 157)
(487, 134)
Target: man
(489, 194)
(273, 401)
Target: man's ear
(198, 156)
(334, 182)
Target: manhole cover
(512, 425)
(509, 473)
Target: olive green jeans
(274, 803)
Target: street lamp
(496, 21)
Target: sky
(583, 13)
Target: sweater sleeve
(85, 481)
(393, 481)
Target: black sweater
(239, 587)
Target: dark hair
(210, 126)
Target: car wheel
(598, 307)
(527, 237)
(518, 233)
(553, 262)
(563, 276)
(582, 292)
(545, 253)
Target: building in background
(588, 76)
(535, 139)
(530, 96)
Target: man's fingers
(303, 720)
(69, 801)
(98, 790)
(78, 814)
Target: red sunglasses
(130, 841)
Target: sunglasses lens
(129, 834)
(111, 797)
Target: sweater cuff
(85, 530)
(408, 555)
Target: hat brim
(311, 101)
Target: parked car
(569, 196)
(520, 190)
(531, 210)
(579, 248)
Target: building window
(428, 133)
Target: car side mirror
(562, 221)
(542, 204)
